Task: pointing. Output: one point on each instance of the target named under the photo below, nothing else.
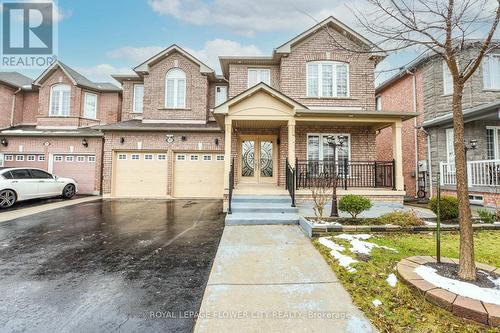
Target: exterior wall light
(4, 142)
(216, 141)
(170, 138)
(122, 140)
(184, 138)
(85, 143)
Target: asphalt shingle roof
(15, 79)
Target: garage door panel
(142, 177)
(81, 168)
(199, 178)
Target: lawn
(402, 309)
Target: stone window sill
(174, 109)
(330, 98)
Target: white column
(228, 129)
(291, 142)
(397, 152)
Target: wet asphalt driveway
(108, 266)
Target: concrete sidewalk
(272, 279)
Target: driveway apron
(272, 279)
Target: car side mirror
(56, 177)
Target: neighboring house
(481, 106)
(47, 123)
(184, 128)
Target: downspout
(415, 130)
(429, 163)
(12, 111)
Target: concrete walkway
(272, 279)
(17, 213)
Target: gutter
(12, 111)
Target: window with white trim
(220, 95)
(318, 148)
(327, 79)
(135, 157)
(378, 103)
(58, 158)
(258, 75)
(207, 157)
(175, 89)
(91, 159)
(194, 157)
(148, 157)
(90, 106)
(41, 158)
(31, 158)
(138, 98)
(450, 149)
(447, 80)
(80, 159)
(19, 158)
(161, 157)
(491, 71)
(180, 157)
(60, 100)
(493, 142)
(70, 158)
(9, 157)
(122, 157)
(220, 157)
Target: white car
(18, 184)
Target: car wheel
(68, 191)
(7, 198)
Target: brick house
(183, 128)
(47, 123)
(425, 86)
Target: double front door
(258, 158)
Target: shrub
(487, 216)
(449, 207)
(403, 219)
(321, 192)
(354, 204)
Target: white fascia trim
(172, 121)
(57, 127)
(337, 108)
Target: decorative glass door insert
(257, 159)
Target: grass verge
(402, 309)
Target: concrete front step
(259, 207)
(261, 219)
(261, 199)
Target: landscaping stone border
(316, 231)
(464, 307)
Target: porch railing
(479, 173)
(290, 181)
(231, 187)
(374, 174)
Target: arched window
(60, 100)
(175, 86)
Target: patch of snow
(488, 295)
(357, 325)
(325, 241)
(358, 245)
(392, 280)
(344, 261)
(376, 303)
(495, 281)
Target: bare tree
(321, 191)
(459, 32)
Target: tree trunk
(467, 269)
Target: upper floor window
(447, 80)
(378, 103)
(175, 94)
(491, 71)
(90, 106)
(60, 100)
(138, 98)
(327, 79)
(220, 95)
(258, 75)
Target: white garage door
(81, 168)
(198, 175)
(140, 174)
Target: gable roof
(337, 25)
(76, 78)
(144, 67)
(222, 108)
(16, 80)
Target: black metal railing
(376, 174)
(231, 187)
(290, 181)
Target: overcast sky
(99, 38)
